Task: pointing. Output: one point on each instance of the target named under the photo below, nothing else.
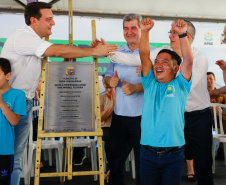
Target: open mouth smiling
(159, 71)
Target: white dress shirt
(24, 49)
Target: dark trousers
(161, 169)
(6, 168)
(124, 135)
(198, 137)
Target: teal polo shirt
(162, 122)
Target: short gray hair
(132, 16)
(190, 29)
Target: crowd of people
(157, 100)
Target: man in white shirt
(25, 49)
(198, 125)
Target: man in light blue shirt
(165, 96)
(125, 127)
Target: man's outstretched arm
(66, 51)
(180, 26)
(222, 90)
(119, 57)
(144, 49)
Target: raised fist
(179, 26)
(221, 64)
(147, 24)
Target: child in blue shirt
(12, 107)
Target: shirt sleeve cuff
(42, 48)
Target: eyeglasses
(174, 34)
(222, 38)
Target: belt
(161, 150)
(193, 113)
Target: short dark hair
(33, 10)
(5, 65)
(211, 73)
(175, 57)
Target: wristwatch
(183, 35)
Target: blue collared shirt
(131, 105)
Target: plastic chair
(219, 135)
(90, 143)
(46, 144)
(104, 157)
(131, 158)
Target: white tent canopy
(208, 17)
(199, 10)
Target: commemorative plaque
(69, 102)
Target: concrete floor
(219, 176)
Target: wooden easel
(98, 132)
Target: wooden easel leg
(98, 116)
(38, 159)
(70, 158)
(100, 154)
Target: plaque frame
(69, 135)
(69, 85)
